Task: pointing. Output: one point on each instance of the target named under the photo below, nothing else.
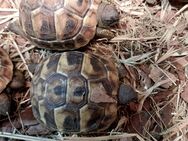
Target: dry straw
(147, 35)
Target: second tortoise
(64, 24)
(77, 92)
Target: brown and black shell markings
(6, 69)
(59, 24)
(75, 92)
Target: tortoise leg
(16, 28)
(126, 94)
(104, 33)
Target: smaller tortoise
(63, 24)
(6, 69)
(76, 92)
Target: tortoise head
(126, 94)
(107, 15)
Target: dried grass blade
(21, 56)
(23, 137)
(9, 16)
(180, 11)
(167, 36)
(137, 59)
(168, 54)
(32, 138)
(8, 10)
(149, 91)
(4, 21)
(23, 51)
(165, 7)
(110, 137)
(125, 38)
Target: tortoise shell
(59, 24)
(75, 92)
(6, 69)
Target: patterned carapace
(75, 92)
(59, 24)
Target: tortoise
(77, 92)
(64, 24)
(6, 69)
